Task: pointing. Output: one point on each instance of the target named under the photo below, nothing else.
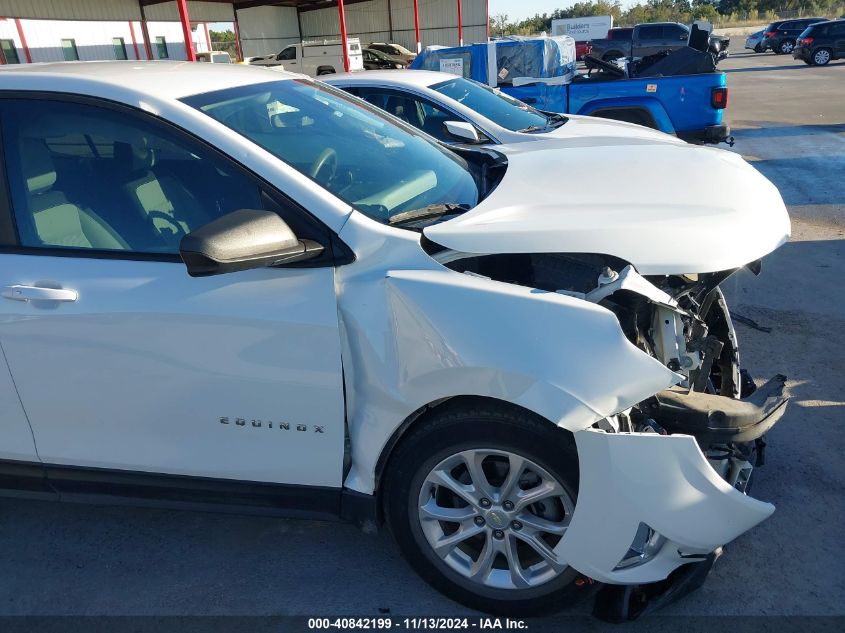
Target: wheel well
(637, 115)
(420, 416)
(325, 70)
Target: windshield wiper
(534, 128)
(426, 213)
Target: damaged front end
(663, 483)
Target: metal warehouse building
(51, 30)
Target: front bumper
(710, 134)
(662, 481)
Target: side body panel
(678, 104)
(137, 373)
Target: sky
(521, 9)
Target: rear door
(837, 38)
(649, 40)
(16, 444)
(122, 360)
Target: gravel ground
(790, 120)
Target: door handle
(37, 293)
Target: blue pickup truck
(542, 73)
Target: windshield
(379, 166)
(503, 110)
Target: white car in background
(313, 58)
(221, 288)
(460, 111)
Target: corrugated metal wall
(93, 40)
(269, 29)
(197, 11)
(266, 30)
(113, 10)
(71, 9)
(370, 22)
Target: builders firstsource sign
(583, 29)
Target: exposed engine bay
(684, 322)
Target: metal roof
(302, 5)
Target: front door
(121, 359)
(837, 35)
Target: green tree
(223, 41)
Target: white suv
(222, 287)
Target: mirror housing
(463, 131)
(242, 240)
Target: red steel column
(487, 14)
(460, 26)
(145, 32)
(134, 41)
(182, 5)
(207, 37)
(24, 45)
(417, 25)
(238, 51)
(342, 15)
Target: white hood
(578, 126)
(665, 207)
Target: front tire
(477, 496)
(759, 49)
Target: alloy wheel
(787, 47)
(495, 518)
(821, 57)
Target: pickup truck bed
(690, 106)
(679, 105)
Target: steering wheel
(326, 160)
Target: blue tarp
(519, 59)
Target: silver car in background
(754, 42)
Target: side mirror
(241, 240)
(462, 130)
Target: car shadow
(797, 65)
(770, 129)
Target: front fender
(421, 336)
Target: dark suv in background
(781, 36)
(821, 42)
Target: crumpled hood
(666, 208)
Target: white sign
(454, 66)
(583, 29)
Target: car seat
(54, 220)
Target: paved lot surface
(790, 120)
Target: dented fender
(418, 336)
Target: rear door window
(651, 32)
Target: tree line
(715, 11)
